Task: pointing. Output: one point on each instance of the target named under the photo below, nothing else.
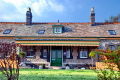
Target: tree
(9, 62)
(113, 19)
(110, 58)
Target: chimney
(92, 16)
(58, 21)
(29, 17)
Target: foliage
(110, 58)
(22, 54)
(114, 19)
(49, 74)
(107, 74)
(9, 62)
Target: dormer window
(112, 32)
(57, 29)
(7, 31)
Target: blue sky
(52, 10)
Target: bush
(107, 74)
(108, 57)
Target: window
(57, 29)
(112, 32)
(83, 53)
(41, 31)
(67, 52)
(30, 52)
(7, 31)
(112, 47)
(44, 52)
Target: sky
(54, 10)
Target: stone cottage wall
(78, 62)
(105, 43)
(74, 61)
(36, 59)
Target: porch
(58, 51)
(74, 56)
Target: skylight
(112, 32)
(41, 31)
(7, 31)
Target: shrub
(109, 57)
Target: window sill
(57, 32)
(83, 58)
(30, 56)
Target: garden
(48, 74)
(9, 67)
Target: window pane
(68, 53)
(112, 32)
(59, 54)
(7, 31)
(45, 53)
(57, 29)
(53, 54)
(30, 53)
(81, 54)
(85, 54)
(41, 31)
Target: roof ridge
(103, 23)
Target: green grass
(36, 74)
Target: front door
(56, 56)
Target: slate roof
(71, 29)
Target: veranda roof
(58, 43)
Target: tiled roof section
(77, 29)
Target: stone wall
(36, 59)
(105, 43)
(75, 61)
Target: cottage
(60, 44)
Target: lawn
(36, 74)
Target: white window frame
(82, 52)
(57, 29)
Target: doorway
(56, 56)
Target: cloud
(55, 6)
(15, 10)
